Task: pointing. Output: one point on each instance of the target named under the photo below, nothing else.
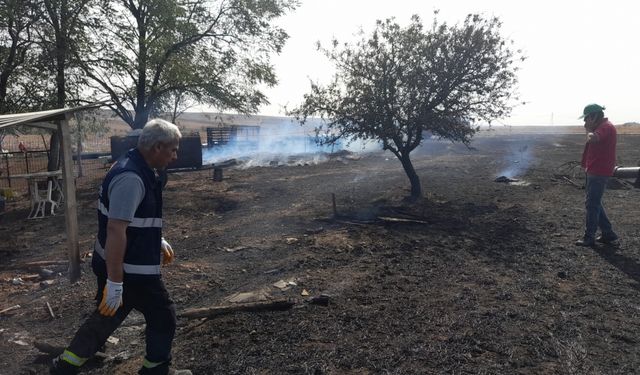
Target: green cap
(590, 109)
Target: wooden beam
(55, 350)
(44, 125)
(209, 312)
(71, 206)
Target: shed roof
(42, 116)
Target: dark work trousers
(151, 298)
(596, 215)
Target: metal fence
(20, 163)
(37, 142)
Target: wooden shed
(58, 120)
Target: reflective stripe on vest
(139, 269)
(136, 222)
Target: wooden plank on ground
(208, 312)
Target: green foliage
(400, 82)
(87, 122)
(209, 52)
(38, 39)
(147, 56)
(23, 81)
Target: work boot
(163, 369)
(179, 372)
(608, 240)
(585, 242)
(60, 367)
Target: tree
(17, 19)
(174, 104)
(61, 37)
(400, 82)
(22, 84)
(86, 122)
(216, 51)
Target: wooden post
(217, 174)
(79, 150)
(26, 160)
(333, 201)
(71, 207)
(6, 159)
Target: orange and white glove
(111, 298)
(167, 252)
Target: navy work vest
(144, 233)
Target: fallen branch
(208, 312)
(56, 350)
(351, 222)
(8, 309)
(570, 181)
(50, 310)
(32, 278)
(42, 263)
(401, 220)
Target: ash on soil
(478, 277)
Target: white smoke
(518, 162)
(281, 144)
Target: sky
(577, 52)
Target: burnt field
(480, 277)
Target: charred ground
(480, 277)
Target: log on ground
(208, 312)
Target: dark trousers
(151, 298)
(596, 215)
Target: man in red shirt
(598, 161)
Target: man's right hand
(111, 298)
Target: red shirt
(599, 158)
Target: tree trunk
(59, 22)
(141, 118)
(61, 52)
(416, 187)
(54, 154)
(10, 63)
(141, 108)
(79, 151)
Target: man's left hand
(111, 298)
(167, 252)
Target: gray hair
(158, 131)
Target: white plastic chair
(39, 200)
(57, 191)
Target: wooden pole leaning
(71, 206)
